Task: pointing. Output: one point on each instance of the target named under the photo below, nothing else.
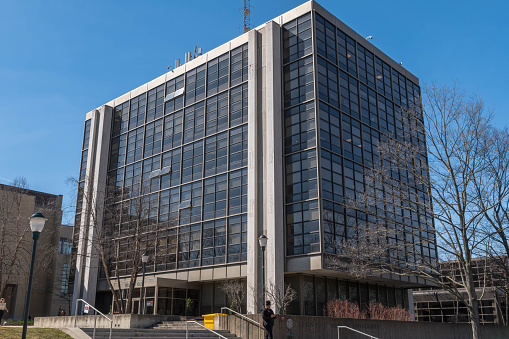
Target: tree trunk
(473, 303)
(474, 318)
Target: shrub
(337, 308)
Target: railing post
(76, 311)
(95, 323)
(187, 330)
(111, 325)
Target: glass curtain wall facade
(183, 147)
(331, 139)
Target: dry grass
(33, 333)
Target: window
(121, 118)
(237, 192)
(194, 122)
(172, 131)
(64, 246)
(346, 53)
(332, 178)
(328, 82)
(217, 74)
(64, 287)
(368, 106)
(238, 147)
(190, 202)
(300, 132)
(214, 197)
(189, 246)
(170, 173)
(195, 85)
(349, 95)
(192, 161)
(137, 111)
(303, 234)
(153, 137)
(366, 69)
(216, 118)
(135, 145)
(238, 66)
(297, 40)
(214, 242)
(325, 39)
(175, 102)
(238, 105)
(216, 154)
(237, 238)
(298, 82)
(330, 128)
(155, 105)
(301, 176)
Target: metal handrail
(208, 329)
(242, 324)
(95, 316)
(352, 329)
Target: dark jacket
(267, 319)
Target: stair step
(156, 333)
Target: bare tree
(235, 292)
(14, 254)
(412, 204)
(281, 294)
(498, 219)
(123, 230)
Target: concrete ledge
(119, 321)
(326, 327)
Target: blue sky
(61, 59)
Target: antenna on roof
(197, 51)
(247, 15)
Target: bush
(337, 308)
(344, 309)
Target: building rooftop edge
(292, 14)
(28, 191)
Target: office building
(434, 304)
(265, 134)
(17, 204)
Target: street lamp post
(36, 224)
(263, 242)
(144, 259)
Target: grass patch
(32, 333)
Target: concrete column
(410, 301)
(82, 242)
(273, 193)
(87, 264)
(252, 177)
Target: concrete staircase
(166, 330)
(179, 325)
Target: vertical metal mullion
(317, 134)
(228, 161)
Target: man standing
(268, 320)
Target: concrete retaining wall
(305, 327)
(119, 321)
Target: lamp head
(37, 221)
(263, 240)
(144, 258)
